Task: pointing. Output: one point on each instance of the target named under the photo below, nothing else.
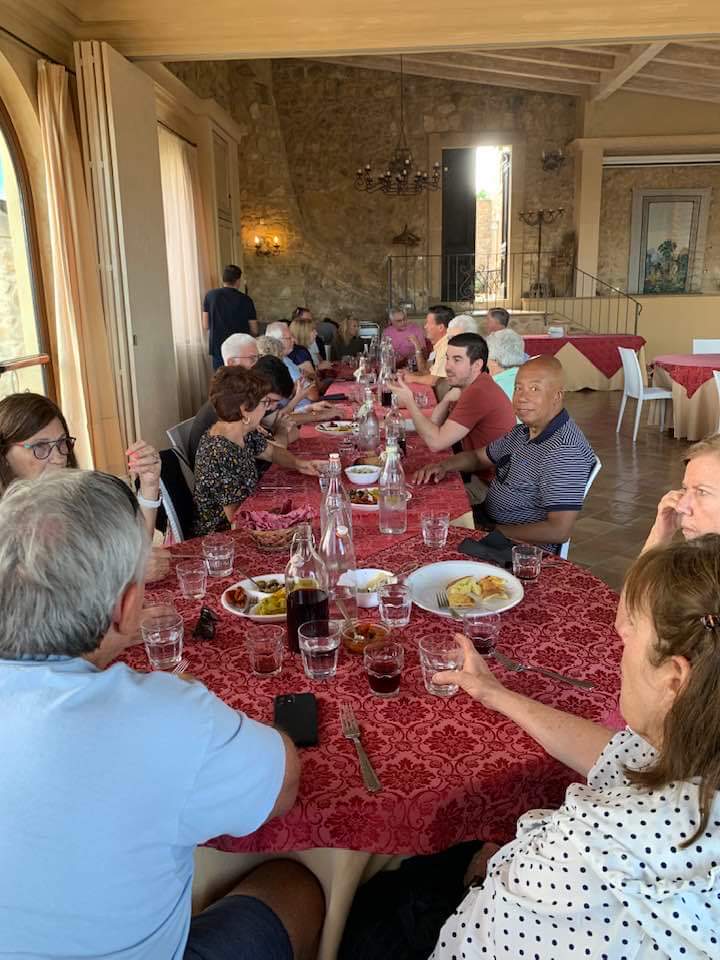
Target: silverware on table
(514, 667)
(443, 603)
(246, 576)
(351, 731)
(182, 666)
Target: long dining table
(450, 769)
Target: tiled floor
(620, 508)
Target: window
(23, 361)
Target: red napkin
(279, 519)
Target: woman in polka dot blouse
(629, 867)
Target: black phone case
(296, 715)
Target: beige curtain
(84, 372)
(177, 159)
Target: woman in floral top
(226, 471)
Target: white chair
(369, 330)
(635, 388)
(716, 374)
(565, 547)
(706, 346)
(179, 437)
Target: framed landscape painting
(667, 240)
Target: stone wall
(310, 125)
(616, 214)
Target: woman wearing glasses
(226, 471)
(34, 438)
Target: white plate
(335, 430)
(253, 594)
(368, 508)
(426, 582)
(365, 599)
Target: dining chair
(176, 495)
(636, 390)
(706, 346)
(565, 547)
(179, 437)
(716, 374)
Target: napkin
(495, 548)
(272, 519)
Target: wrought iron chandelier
(399, 178)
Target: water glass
(192, 577)
(395, 604)
(526, 561)
(384, 662)
(219, 553)
(346, 449)
(162, 633)
(483, 629)
(265, 649)
(434, 525)
(324, 470)
(439, 653)
(422, 400)
(319, 645)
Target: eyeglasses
(43, 448)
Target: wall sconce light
(552, 160)
(266, 246)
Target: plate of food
(336, 427)
(367, 499)
(469, 586)
(265, 605)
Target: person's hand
(431, 471)
(303, 388)
(415, 341)
(475, 678)
(477, 868)
(667, 521)
(144, 464)
(322, 406)
(453, 395)
(158, 564)
(403, 392)
(311, 468)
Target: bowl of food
(368, 459)
(368, 582)
(364, 475)
(360, 633)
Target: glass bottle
(335, 488)
(306, 585)
(338, 555)
(392, 493)
(385, 376)
(387, 354)
(368, 437)
(395, 426)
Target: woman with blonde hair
(347, 343)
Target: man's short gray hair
(71, 542)
(234, 345)
(506, 347)
(277, 329)
(464, 323)
(270, 346)
(499, 315)
(396, 312)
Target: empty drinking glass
(319, 645)
(219, 553)
(526, 561)
(434, 525)
(324, 471)
(384, 661)
(265, 649)
(439, 653)
(395, 604)
(422, 400)
(192, 577)
(483, 629)
(162, 633)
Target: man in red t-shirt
(474, 412)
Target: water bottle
(368, 437)
(335, 488)
(338, 555)
(393, 495)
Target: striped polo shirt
(536, 477)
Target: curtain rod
(41, 53)
(176, 134)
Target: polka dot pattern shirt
(604, 877)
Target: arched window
(24, 361)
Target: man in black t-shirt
(227, 310)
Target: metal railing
(550, 285)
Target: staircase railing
(550, 285)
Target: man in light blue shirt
(111, 777)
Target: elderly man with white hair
(464, 323)
(112, 777)
(506, 353)
(239, 350)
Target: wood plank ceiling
(689, 70)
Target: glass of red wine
(303, 605)
(384, 661)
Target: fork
(351, 731)
(514, 667)
(182, 666)
(444, 604)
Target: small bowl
(362, 476)
(362, 577)
(379, 632)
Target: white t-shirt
(602, 877)
(109, 780)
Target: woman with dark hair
(226, 471)
(35, 438)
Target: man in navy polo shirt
(541, 466)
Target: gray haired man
(111, 777)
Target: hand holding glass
(439, 653)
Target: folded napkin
(495, 548)
(280, 519)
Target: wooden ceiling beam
(574, 57)
(659, 88)
(680, 53)
(626, 67)
(684, 73)
(517, 68)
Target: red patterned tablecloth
(600, 349)
(690, 370)
(451, 770)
